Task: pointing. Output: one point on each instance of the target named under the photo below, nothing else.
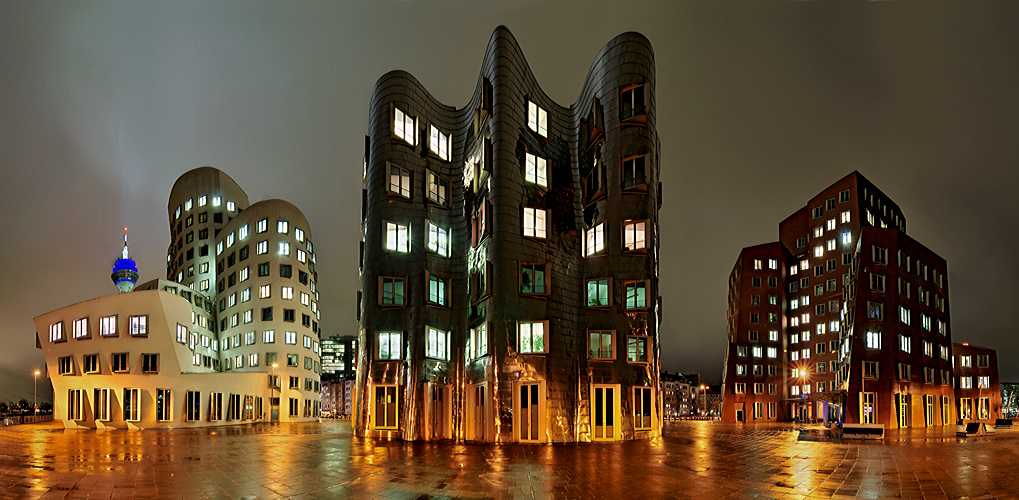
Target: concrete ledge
(863, 431)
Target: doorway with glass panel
(605, 412)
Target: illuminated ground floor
(693, 459)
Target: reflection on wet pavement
(702, 460)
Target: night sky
(760, 105)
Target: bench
(974, 429)
(863, 431)
(1003, 423)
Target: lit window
(301, 256)
(438, 143)
(601, 345)
(831, 244)
(244, 274)
(819, 251)
(438, 239)
(108, 326)
(594, 240)
(847, 238)
(965, 382)
(537, 119)
(873, 340)
(291, 338)
(219, 248)
(231, 206)
(904, 316)
(905, 343)
(264, 291)
(288, 292)
(438, 344)
(245, 295)
(391, 291)
(304, 298)
(831, 224)
(284, 248)
(404, 127)
(282, 227)
(229, 240)
(636, 349)
(965, 362)
(438, 189)
(477, 343)
(633, 235)
(262, 247)
(389, 345)
(598, 292)
(845, 217)
(984, 382)
(636, 294)
(202, 200)
(772, 352)
(533, 279)
(436, 290)
(268, 337)
(187, 205)
(299, 235)
(204, 285)
(535, 170)
(79, 328)
(397, 237)
(262, 226)
(532, 336)
(534, 222)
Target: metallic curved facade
(510, 256)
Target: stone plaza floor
(695, 460)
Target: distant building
(1010, 399)
(845, 317)
(977, 389)
(509, 287)
(678, 395)
(209, 345)
(339, 357)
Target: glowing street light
(35, 386)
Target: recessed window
(438, 239)
(268, 336)
(477, 343)
(389, 346)
(437, 346)
(594, 240)
(537, 119)
(399, 181)
(873, 340)
(532, 336)
(290, 338)
(438, 189)
(635, 294)
(138, 325)
(533, 279)
(299, 235)
(634, 235)
(79, 328)
(90, 363)
(397, 237)
(636, 349)
(534, 222)
(404, 127)
(391, 291)
(438, 142)
(262, 226)
(631, 102)
(150, 363)
(284, 248)
(436, 290)
(600, 344)
(634, 172)
(262, 247)
(642, 406)
(57, 332)
(535, 170)
(598, 292)
(119, 362)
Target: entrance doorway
(478, 406)
(437, 420)
(528, 412)
(604, 413)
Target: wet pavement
(696, 460)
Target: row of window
(239, 407)
(119, 363)
(271, 359)
(137, 326)
(877, 284)
(983, 361)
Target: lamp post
(704, 397)
(35, 386)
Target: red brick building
(977, 391)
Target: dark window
(191, 253)
(305, 320)
(217, 218)
(631, 102)
(150, 363)
(266, 314)
(286, 270)
(263, 269)
(203, 217)
(288, 315)
(203, 250)
(232, 279)
(302, 277)
(219, 267)
(222, 305)
(222, 325)
(203, 234)
(633, 172)
(244, 252)
(231, 259)
(189, 221)
(220, 287)
(314, 326)
(188, 238)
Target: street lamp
(704, 405)
(35, 386)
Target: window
(138, 325)
(284, 248)
(880, 255)
(264, 291)
(438, 142)
(438, 189)
(438, 239)
(436, 290)
(438, 344)
(633, 172)
(965, 362)
(965, 382)
(928, 375)
(594, 240)
(391, 291)
(772, 352)
(307, 342)
(291, 338)
(534, 222)
(877, 283)
(904, 371)
(755, 318)
(404, 127)
(600, 346)
(477, 343)
(984, 382)
(298, 235)
(389, 346)
(79, 328)
(262, 226)
(636, 349)
(288, 292)
(75, 403)
(642, 408)
(635, 294)
(983, 361)
(598, 292)
(905, 343)
(268, 336)
(292, 360)
(57, 332)
(537, 119)
(740, 388)
(633, 236)
(397, 237)
(904, 316)
(386, 406)
(533, 279)
(819, 251)
(875, 310)
(873, 340)
(132, 404)
(631, 102)
(262, 247)
(773, 335)
(535, 170)
(532, 336)
(741, 351)
(150, 363)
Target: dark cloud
(760, 106)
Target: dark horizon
(760, 106)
